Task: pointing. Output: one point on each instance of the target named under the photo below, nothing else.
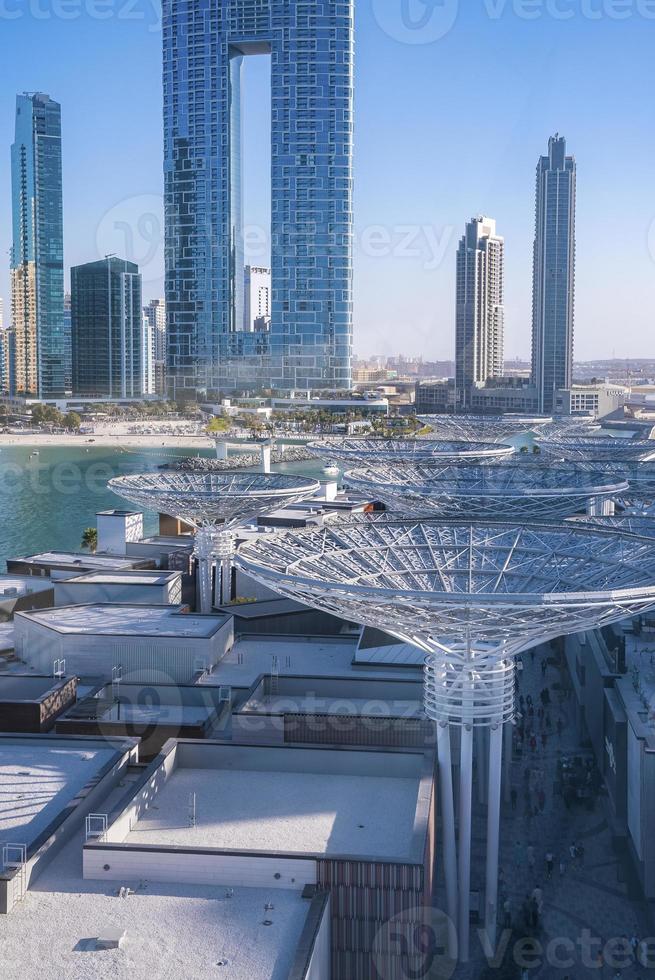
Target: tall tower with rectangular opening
(309, 344)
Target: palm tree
(90, 539)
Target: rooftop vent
(111, 939)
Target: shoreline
(105, 441)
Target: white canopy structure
(598, 448)
(472, 597)
(528, 493)
(214, 504)
(491, 428)
(409, 450)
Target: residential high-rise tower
(479, 353)
(553, 295)
(206, 43)
(37, 254)
(107, 328)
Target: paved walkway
(591, 901)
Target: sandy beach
(104, 440)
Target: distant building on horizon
(148, 343)
(553, 293)
(480, 314)
(68, 376)
(37, 254)
(257, 299)
(107, 329)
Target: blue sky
(450, 120)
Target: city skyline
(392, 292)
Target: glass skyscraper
(309, 344)
(37, 255)
(107, 329)
(553, 294)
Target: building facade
(479, 349)
(553, 291)
(107, 329)
(37, 254)
(148, 383)
(309, 345)
(257, 299)
(155, 311)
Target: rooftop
(295, 801)
(128, 577)
(79, 559)
(116, 619)
(22, 687)
(171, 930)
(40, 777)
(22, 584)
(284, 812)
(249, 658)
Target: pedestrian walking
(534, 913)
(550, 863)
(538, 896)
(518, 854)
(531, 857)
(573, 852)
(544, 666)
(528, 700)
(533, 742)
(562, 867)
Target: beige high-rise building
(480, 314)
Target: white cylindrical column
(223, 549)
(221, 449)
(465, 818)
(447, 818)
(203, 553)
(493, 831)
(266, 458)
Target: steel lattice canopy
(486, 492)
(411, 450)
(448, 586)
(493, 428)
(640, 525)
(210, 499)
(640, 475)
(598, 448)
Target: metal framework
(409, 450)
(472, 597)
(643, 525)
(529, 493)
(491, 428)
(214, 504)
(598, 448)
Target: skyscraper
(479, 349)
(155, 312)
(107, 328)
(553, 290)
(257, 301)
(37, 255)
(206, 43)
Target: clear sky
(453, 107)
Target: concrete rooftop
(302, 813)
(118, 619)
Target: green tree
(90, 539)
(72, 421)
(219, 424)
